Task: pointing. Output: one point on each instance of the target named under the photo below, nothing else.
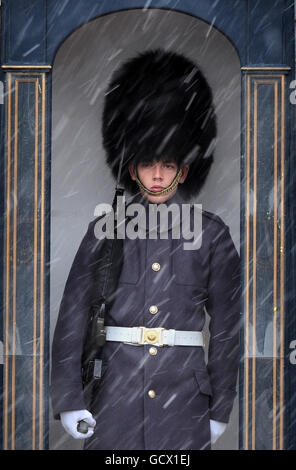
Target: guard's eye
(170, 165)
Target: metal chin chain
(166, 190)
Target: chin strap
(166, 190)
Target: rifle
(110, 265)
(109, 269)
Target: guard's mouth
(156, 188)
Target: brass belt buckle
(151, 335)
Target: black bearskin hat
(159, 105)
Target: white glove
(217, 429)
(69, 420)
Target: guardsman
(156, 391)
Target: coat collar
(149, 207)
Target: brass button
(153, 309)
(153, 351)
(156, 266)
(151, 393)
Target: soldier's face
(157, 176)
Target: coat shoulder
(91, 235)
(211, 217)
(214, 218)
(93, 222)
(213, 226)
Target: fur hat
(159, 105)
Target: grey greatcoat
(187, 391)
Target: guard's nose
(157, 172)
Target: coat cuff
(68, 397)
(221, 405)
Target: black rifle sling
(114, 259)
(108, 271)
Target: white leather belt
(140, 335)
